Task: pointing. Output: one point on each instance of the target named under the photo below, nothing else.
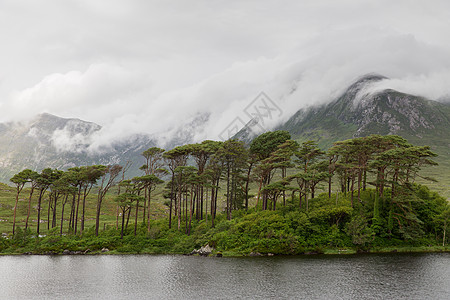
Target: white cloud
(92, 92)
(151, 66)
(433, 85)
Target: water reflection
(386, 276)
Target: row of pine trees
(199, 176)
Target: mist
(146, 67)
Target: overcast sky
(148, 66)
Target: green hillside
(419, 120)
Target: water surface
(372, 276)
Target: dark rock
(362, 250)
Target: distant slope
(359, 113)
(55, 142)
(51, 141)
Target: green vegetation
(274, 197)
(420, 121)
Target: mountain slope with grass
(51, 141)
(360, 112)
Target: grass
(411, 249)
(108, 212)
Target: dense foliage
(375, 203)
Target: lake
(368, 276)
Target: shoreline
(390, 250)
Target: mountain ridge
(386, 112)
(52, 141)
(55, 142)
(355, 114)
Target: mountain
(361, 112)
(51, 141)
(55, 142)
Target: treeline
(280, 172)
(282, 168)
(72, 187)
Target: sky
(151, 67)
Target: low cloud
(161, 69)
(75, 136)
(98, 90)
(124, 104)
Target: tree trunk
(148, 210)
(15, 209)
(359, 186)
(128, 217)
(206, 207)
(228, 193)
(136, 217)
(171, 202)
(215, 197)
(144, 216)
(259, 191)
(351, 189)
(54, 213)
(76, 212)
(329, 187)
(247, 182)
(97, 216)
(201, 202)
(300, 196)
(364, 179)
(185, 211)
(213, 191)
(191, 208)
(83, 214)
(123, 223)
(41, 193)
(72, 213)
(179, 210)
(196, 205)
(48, 211)
(274, 202)
(62, 215)
(306, 200)
(29, 208)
